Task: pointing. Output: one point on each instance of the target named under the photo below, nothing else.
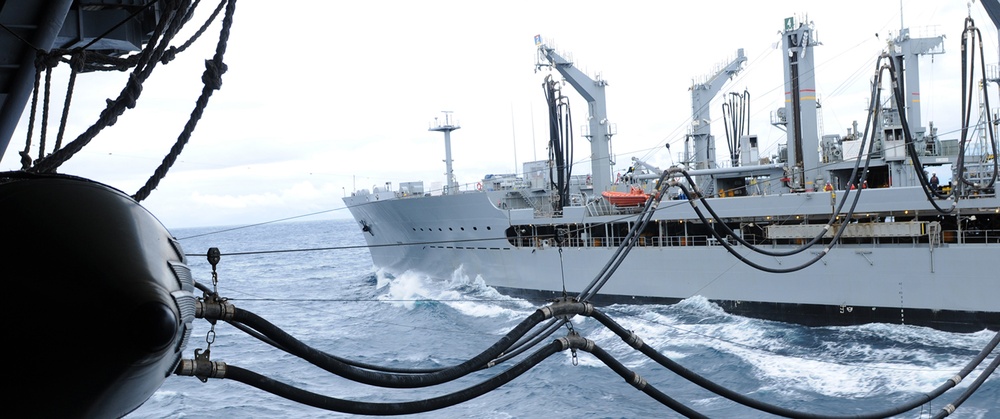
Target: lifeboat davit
(633, 198)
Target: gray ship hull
(948, 286)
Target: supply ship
(833, 230)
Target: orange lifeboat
(632, 198)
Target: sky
(323, 98)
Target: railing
(649, 241)
(947, 236)
(970, 236)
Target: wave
(468, 296)
(874, 360)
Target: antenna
(513, 135)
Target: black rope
(172, 52)
(76, 64)
(212, 79)
(46, 96)
(155, 51)
(166, 27)
(26, 153)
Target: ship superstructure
(833, 230)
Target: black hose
(628, 242)
(390, 408)
(638, 382)
(707, 384)
(729, 248)
(949, 409)
(872, 117)
(529, 341)
(971, 33)
(560, 139)
(394, 380)
(911, 149)
(250, 331)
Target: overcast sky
(322, 98)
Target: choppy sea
(315, 280)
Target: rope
(157, 49)
(212, 78)
(171, 52)
(26, 154)
(76, 63)
(167, 27)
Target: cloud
(340, 97)
(298, 194)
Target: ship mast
(599, 130)
(701, 95)
(905, 51)
(451, 185)
(798, 40)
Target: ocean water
(317, 282)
